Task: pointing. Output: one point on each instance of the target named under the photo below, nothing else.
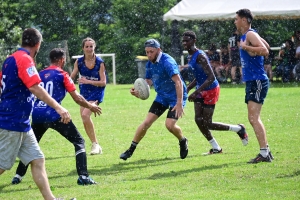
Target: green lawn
(155, 171)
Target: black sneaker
(243, 134)
(126, 154)
(16, 180)
(212, 151)
(259, 158)
(183, 148)
(85, 181)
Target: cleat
(85, 181)
(213, 151)
(126, 154)
(271, 156)
(183, 148)
(259, 158)
(16, 180)
(243, 134)
(96, 149)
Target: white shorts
(15, 144)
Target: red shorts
(210, 97)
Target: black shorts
(69, 131)
(158, 109)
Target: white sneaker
(96, 149)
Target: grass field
(155, 171)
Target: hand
(192, 97)
(178, 108)
(64, 115)
(243, 44)
(83, 80)
(95, 108)
(134, 92)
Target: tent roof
(226, 9)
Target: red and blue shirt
(57, 83)
(16, 101)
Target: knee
(199, 121)
(169, 125)
(37, 163)
(85, 117)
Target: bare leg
(1, 171)
(233, 72)
(174, 128)
(142, 129)
(88, 124)
(254, 119)
(40, 178)
(241, 73)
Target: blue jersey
(16, 101)
(88, 91)
(252, 66)
(161, 73)
(57, 83)
(198, 71)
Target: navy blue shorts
(256, 91)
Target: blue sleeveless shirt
(88, 91)
(198, 71)
(252, 66)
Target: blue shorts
(256, 91)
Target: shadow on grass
(290, 175)
(179, 173)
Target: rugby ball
(142, 86)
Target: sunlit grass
(155, 171)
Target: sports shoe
(85, 181)
(183, 148)
(126, 154)
(213, 151)
(16, 179)
(96, 149)
(271, 156)
(243, 134)
(259, 158)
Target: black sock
(133, 146)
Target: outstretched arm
(80, 100)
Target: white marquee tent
(226, 9)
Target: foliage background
(118, 26)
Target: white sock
(235, 128)
(214, 144)
(264, 152)
(83, 177)
(18, 176)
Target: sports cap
(152, 43)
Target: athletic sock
(214, 144)
(235, 128)
(264, 152)
(18, 176)
(133, 146)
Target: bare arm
(80, 100)
(75, 70)
(43, 95)
(100, 83)
(254, 45)
(178, 108)
(210, 76)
